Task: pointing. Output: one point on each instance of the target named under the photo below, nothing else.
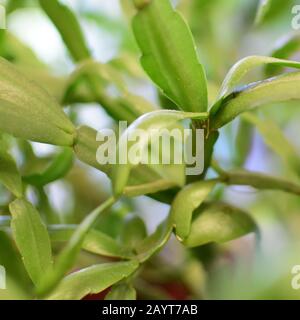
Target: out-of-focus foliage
(224, 66)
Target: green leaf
(100, 79)
(277, 89)
(241, 68)
(260, 181)
(95, 241)
(28, 112)
(243, 142)
(143, 180)
(156, 120)
(68, 27)
(184, 204)
(285, 48)
(69, 254)
(59, 167)
(11, 261)
(153, 243)
(263, 10)
(32, 239)
(122, 291)
(217, 222)
(276, 140)
(9, 174)
(133, 232)
(85, 148)
(92, 280)
(169, 54)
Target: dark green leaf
(169, 54)
(59, 167)
(134, 231)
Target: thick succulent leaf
(28, 112)
(218, 223)
(241, 68)
(184, 204)
(95, 241)
(9, 174)
(154, 120)
(169, 55)
(68, 27)
(277, 89)
(275, 140)
(59, 167)
(32, 239)
(92, 280)
(122, 291)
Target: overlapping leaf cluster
(169, 57)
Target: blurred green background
(225, 32)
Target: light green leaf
(59, 167)
(217, 222)
(151, 123)
(69, 254)
(28, 112)
(243, 142)
(68, 27)
(122, 291)
(92, 280)
(95, 241)
(284, 49)
(9, 174)
(32, 239)
(184, 204)
(101, 80)
(143, 180)
(169, 54)
(263, 9)
(241, 68)
(261, 181)
(86, 146)
(276, 140)
(11, 261)
(277, 89)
